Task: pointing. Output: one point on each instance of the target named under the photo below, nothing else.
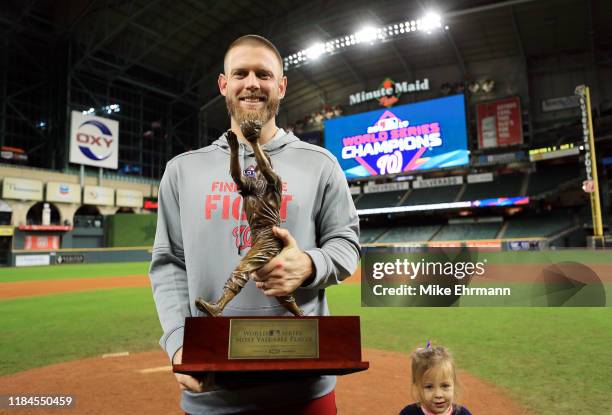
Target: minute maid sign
(94, 141)
(389, 92)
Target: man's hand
(190, 383)
(286, 271)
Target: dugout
(88, 231)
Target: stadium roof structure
(175, 48)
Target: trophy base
(296, 345)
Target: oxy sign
(94, 141)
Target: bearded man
(202, 234)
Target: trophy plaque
(319, 345)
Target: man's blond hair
(254, 40)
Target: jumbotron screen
(421, 136)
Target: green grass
(552, 360)
(68, 271)
(40, 331)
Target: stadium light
(315, 51)
(429, 23)
(109, 109)
(367, 34)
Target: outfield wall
(127, 229)
(21, 257)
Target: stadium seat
(539, 226)
(379, 200)
(468, 231)
(370, 235)
(550, 178)
(409, 234)
(425, 196)
(507, 185)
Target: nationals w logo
(242, 236)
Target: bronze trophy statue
(319, 344)
(261, 197)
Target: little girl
(434, 383)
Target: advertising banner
(560, 103)
(372, 187)
(389, 92)
(6, 230)
(480, 177)
(70, 259)
(4, 207)
(415, 137)
(438, 182)
(40, 242)
(22, 189)
(553, 152)
(499, 123)
(13, 154)
(32, 260)
(151, 204)
(501, 158)
(63, 192)
(501, 201)
(97, 195)
(94, 141)
(129, 198)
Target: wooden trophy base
(300, 345)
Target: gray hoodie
(202, 233)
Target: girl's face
(437, 391)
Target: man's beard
(241, 115)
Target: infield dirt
(143, 384)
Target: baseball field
(58, 322)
